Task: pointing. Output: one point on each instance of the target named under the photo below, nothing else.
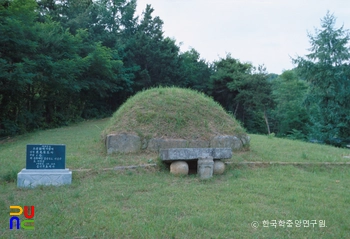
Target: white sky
(265, 32)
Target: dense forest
(62, 61)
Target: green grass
(267, 149)
(155, 204)
(171, 112)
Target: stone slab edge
(194, 153)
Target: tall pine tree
(326, 69)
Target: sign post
(45, 165)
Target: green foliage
(244, 91)
(296, 134)
(61, 61)
(327, 72)
(195, 72)
(289, 112)
(10, 176)
(156, 56)
(53, 69)
(271, 136)
(16, 45)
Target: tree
(326, 69)
(50, 76)
(227, 81)
(195, 72)
(72, 14)
(61, 60)
(17, 44)
(244, 91)
(290, 113)
(157, 57)
(256, 98)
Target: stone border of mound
(132, 143)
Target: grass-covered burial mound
(173, 113)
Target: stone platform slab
(35, 177)
(194, 153)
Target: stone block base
(34, 177)
(123, 143)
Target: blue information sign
(45, 156)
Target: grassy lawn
(151, 203)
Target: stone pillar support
(205, 167)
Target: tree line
(66, 60)
(61, 61)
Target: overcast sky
(265, 32)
